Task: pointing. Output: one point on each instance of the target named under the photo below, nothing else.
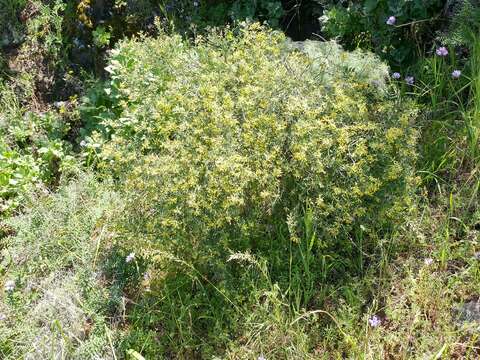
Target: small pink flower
(428, 261)
(374, 321)
(130, 257)
(391, 20)
(442, 51)
(456, 74)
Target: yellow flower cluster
(82, 11)
(222, 137)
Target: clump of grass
(447, 84)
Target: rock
(468, 314)
(470, 311)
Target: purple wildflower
(442, 51)
(410, 80)
(456, 74)
(428, 261)
(391, 20)
(374, 321)
(130, 257)
(396, 75)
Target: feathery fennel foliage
(240, 141)
(220, 137)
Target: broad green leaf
(135, 355)
(370, 5)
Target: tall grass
(451, 118)
(451, 136)
(472, 115)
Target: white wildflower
(9, 285)
(130, 257)
(428, 261)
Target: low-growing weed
(54, 302)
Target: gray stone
(467, 315)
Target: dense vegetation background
(239, 179)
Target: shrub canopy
(241, 130)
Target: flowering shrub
(227, 136)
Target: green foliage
(229, 140)
(101, 37)
(223, 12)
(44, 32)
(464, 31)
(465, 23)
(240, 140)
(363, 23)
(268, 184)
(451, 130)
(58, 307)
(94, 25)
(10, 27)
(32, 150)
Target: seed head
(9, 285)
